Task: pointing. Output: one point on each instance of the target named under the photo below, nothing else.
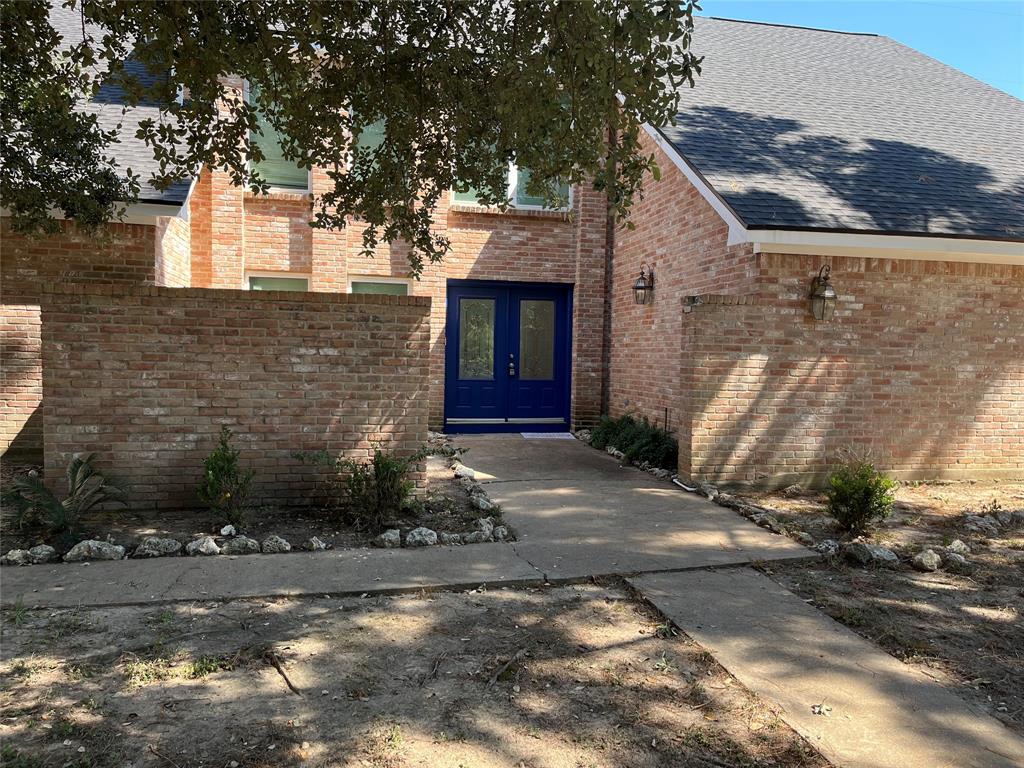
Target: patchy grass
(568, 676)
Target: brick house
(907, 185)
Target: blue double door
(507, 356)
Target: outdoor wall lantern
(643, 288)
(823, 296)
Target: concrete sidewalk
(884, 713)
(578, 512)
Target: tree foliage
(462, 88)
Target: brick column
(588, 306)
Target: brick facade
(271, 234)
(922, 366)
(123, 253)
(146, 376)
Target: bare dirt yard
(966, 630)
(573, 677)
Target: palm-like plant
(35, 504)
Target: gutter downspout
(609, 255)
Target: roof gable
(808, 129)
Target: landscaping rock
(204, 545)
(275, 545)
(18, 557)
(1005, 517)
(829, 548)
(390, 539)
(420, 537)
(958, 547)
(955, 563)
(90, 549)
(484, 504)
(860, 553)
(501, 533)
(926, 561)
(792, 491)
(450, 539)
(475, 537)
(615, 452)
(804, 538)
(726, 500)
(43, 553)
(661, 474)
(228, 530)
(583, 435)
(314, 544)
(154, 546)
(983, 525)
(486, 525)
(241, 545)
(765, 520)
(461, 470)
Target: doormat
(547, 435)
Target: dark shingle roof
(108, 104)
(808, 129)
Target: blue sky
(984, 38)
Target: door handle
(511, 366)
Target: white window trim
(270, 273)
(380, 279)
(272, 189)
(512, 184)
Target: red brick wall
(173, 252)
(684, 240)
(923, 366)
(122, 253)
(271, 234)
(146, 377)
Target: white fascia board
(737, 230)
(872, 246)
(137, 213)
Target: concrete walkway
(578, 512)
(883, 713)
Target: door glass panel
(536, 339)
(476, 339)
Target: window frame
(274, 189)
(512, 186)
(308, 277)
(388, 280)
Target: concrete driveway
(579, 512)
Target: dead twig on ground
(271, 658)
(433, 672)
(162, 756)
(504, 667)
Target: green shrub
(35, 504)
(369, 492)
(639, 440)
(859, 496)
(225, 486)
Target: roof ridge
(792, 26)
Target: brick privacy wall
(684, 240)
(200, 210)
(122, 253)
(173, 252)
(271, 233)
(145, 377)
(923, 366)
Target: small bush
(859, 496)
(369, 492)
(225, 486)
(639, 440)
(35, 504)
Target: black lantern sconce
(643, 288)
(823, 296)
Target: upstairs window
(274, 283)
(518, 179)
(275, 169)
